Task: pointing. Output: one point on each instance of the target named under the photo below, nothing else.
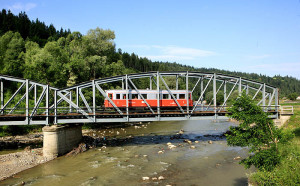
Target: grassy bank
(13, 130)
(288, 172)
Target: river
(203, 159)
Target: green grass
(13, 130)
(288, 171)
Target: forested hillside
(33, 50)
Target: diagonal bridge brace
(75, 106)
(228, 95)
(141, 95)
(169, 91)
(201, 96)
(84, 101)
(216, 94)
(38, 102)
(22, 98)
(104, 94)
(13, 96)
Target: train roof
(146, 91)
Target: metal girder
(111, 102)
(39, 101)
(213, 97)
(12, 97)
(187, 91)
(22, 98)
(84, 101)
(170, 93)
(228, 95)
(199, 79)
(141, 95)
(257, 92)
(74, 105)
(158, 95)
(127, 102)
(59, 101)
(201, 95)
(271, 98)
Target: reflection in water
(147, 155)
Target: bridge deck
(114, 117)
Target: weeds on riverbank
(12, 130)
(288, 171)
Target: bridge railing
(286, 110)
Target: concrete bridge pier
(61, 139)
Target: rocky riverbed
(12, 163)
(34, 140)
(174, 153)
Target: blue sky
(260, 36)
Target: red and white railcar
(134, 100)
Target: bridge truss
(25, 102)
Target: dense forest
(33, 50)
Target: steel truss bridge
(26, 102)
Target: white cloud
(171, 53)
(22, 7)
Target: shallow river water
(146, 154)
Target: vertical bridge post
(94, 99)
(158, 96)
(2, 100)
(187, 93)
(127, 104)
(55, 107)
(215, 95)
(264, 97)
(225, 91)
(27, 102)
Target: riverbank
(19, 153)
(288, 171)
(13, 163)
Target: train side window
(124, 96)
(134, 96)
(165, 96)
(118, 96)
(145, 96)
(175, 96)
(110, 95)
(181, 96)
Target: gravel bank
(13, 163)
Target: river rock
(210, 142)
(192, 147)
(160, 152)
(161, 178)
(146, 178)
(171, 146)
(237, 158)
